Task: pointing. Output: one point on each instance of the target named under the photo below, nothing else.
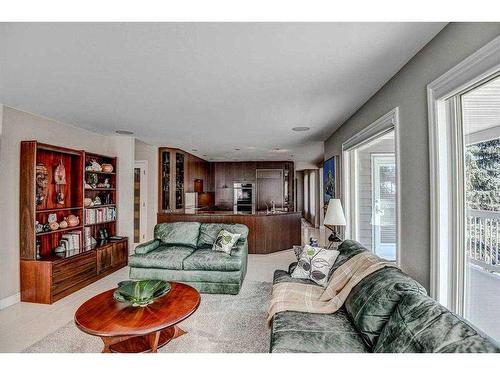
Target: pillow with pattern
(297, 251)
(315, 264)
(225, 241)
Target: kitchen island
(268, 232)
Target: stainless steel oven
(244, 197)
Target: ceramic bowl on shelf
(107, 168)
(140, 293)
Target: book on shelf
(71, 240)
(88, 240)
(100, 215)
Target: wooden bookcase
(47, 276)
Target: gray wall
(407, 90)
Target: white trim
(9, 301)
(475, 68)
(383, 124)
(386, 123)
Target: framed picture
(331, 180)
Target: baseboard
(9, 301)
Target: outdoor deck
(483, 300)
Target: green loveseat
(387, 311)
(182, 251)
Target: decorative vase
(94, 166)
(42, 183)
(60, 181)
(63, 224)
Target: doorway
(140, 200)
(383, 217)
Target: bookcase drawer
(104, 258)
(119, 256)
(73, 271)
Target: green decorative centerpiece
(140, 293)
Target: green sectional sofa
(182, 251)
(387, 311)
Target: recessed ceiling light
(124, 132)
(237, 149)
(279, 150)
(301, 128)
(194, 149)
(204, 155)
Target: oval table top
(103, 316)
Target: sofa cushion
(420, 324)
(209, 232)
(301, 332)
(146, 247)
(178, 233)
(281, 276)
(210, 260)
(372, 302)
(166, 257)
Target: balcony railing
(483, 239)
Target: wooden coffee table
(127, 329)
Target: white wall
(144, 151)
(407, 90)
(18, 126)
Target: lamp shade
(334, 213)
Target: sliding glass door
(371, 183)
(480, 118)
(383, 219)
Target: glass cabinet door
(165, 183)
(179, 180)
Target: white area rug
(222, 324)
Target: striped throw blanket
(292, 296)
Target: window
(371, 182)
(464, 121)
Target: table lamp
(334, 216)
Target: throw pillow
(298, 250)
(225, 241)
(314, 264)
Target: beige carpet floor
(222, 324)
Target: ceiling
(231, 91)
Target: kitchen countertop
(225, 213)
(267, 233)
